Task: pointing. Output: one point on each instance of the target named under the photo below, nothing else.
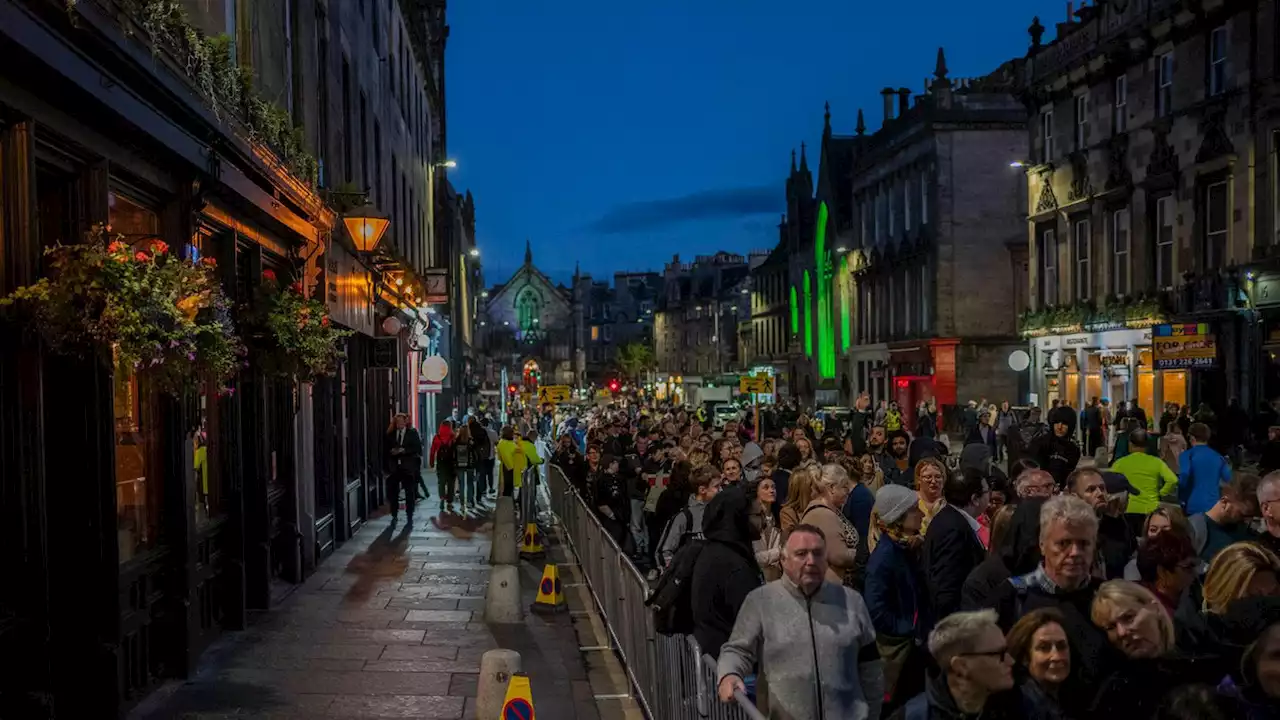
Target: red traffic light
(511, 389)
(613, 386)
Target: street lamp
(366, 225)
(842, 250)
(450, 164)
(1017, 164)
(474, 252)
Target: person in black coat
(951, 546)
(404, 465)
(1056, 451)
(726, 570)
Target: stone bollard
(496, 669)
(505, 511)
(505, 548)
(502, 598)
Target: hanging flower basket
(291, 334)
(135, 305)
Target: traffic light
(511, 389)
(613, 386)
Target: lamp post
(366, 225)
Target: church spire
(940, 71)
(528, 252)
(862, 123)
(804, 161)
(793, 161)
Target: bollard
(502, 598)
(505, 512)
(496, 669)
(504, 550)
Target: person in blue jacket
(1201, 472)
(896, 596)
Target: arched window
(528, 310)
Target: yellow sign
(762, 384)
(550, 591)
(554, 394)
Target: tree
(634, 358)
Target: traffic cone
(519, 703)
(531, 543)
(550, 592)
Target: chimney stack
(904, 101)
(887, 94)
(1071, 11)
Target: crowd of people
(859, 570)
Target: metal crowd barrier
(671, 677)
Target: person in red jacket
(444, 459)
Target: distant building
(936, 256)
(529, 326)
(1151, 198)
(703, 305)
(615, 316)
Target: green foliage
(139, 307)
(227, 86)
(290, 334)
(1116, 312)
(634, 358)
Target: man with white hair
(1034, 483)
(813, 639)
(975, 677)
(1064, 580)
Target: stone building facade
(696, 324)
(1151, 194)
(936, 207)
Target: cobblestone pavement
(391, 625)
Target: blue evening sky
(617, 134)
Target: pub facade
(138, 523)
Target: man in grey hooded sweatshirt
(814, 640)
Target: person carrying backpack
(725, 571)
(688, 522)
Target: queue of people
(861, 572)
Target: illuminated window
(595, 332)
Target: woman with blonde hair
(1245, 569)
(799, 495)
(828, 492)
(1137, 625)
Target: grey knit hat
(893, 501)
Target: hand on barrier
(730, 685)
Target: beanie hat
(893, 501)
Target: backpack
(462, 456)
(447, 456)
(671, 599)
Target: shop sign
(1266, 290)
(348, 290)
(1049, 343)
(1184, 345)
(1073, 341)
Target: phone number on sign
(1181, 363)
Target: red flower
(159, 247)
(296, 287)
(141, 257)
(269, 275)
(324, 321)
(209, 262)
(116, 247)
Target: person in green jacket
(1148, 475)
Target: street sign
(554, 394)
(762, 384)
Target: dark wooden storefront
(136, 526)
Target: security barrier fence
(671, 677)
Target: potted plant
(290, 333)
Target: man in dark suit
(404, 466)
(951, 546)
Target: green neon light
(795, 313)
(826, 325)
(844, 307)
(808, 317)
